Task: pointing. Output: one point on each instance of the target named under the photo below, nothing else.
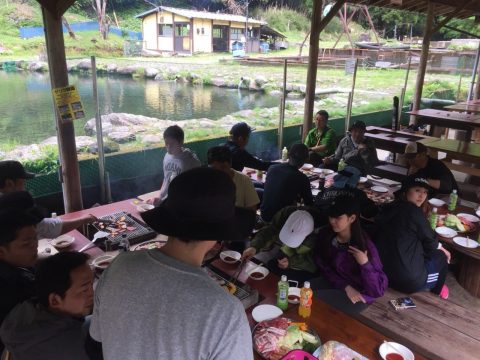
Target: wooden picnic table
(474, 109)
(391, 140)
(448, 119)
(470, 102)
(456, 150)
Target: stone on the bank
(90, 127)
(260, 80)
(85, 64)
(294, 95)
(71, 67)
(122, 137)
(151, 139)
(108, 147)
(161, 76)
(52, 140)
(112, 68)
(25, 153)
(150, 72)
(218, 82)
(127, 70)
(82, 142)
(275, 93)
(38, 66)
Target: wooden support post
(423, 60)
(476, 94)
(471, 91)
(57, 63)
(282, 109)
(317, 25)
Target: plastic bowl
(63, 241)
(102, 262)
(293, 295)
(258, 273)
(144, 207)
(230, 257)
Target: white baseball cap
(297, 227)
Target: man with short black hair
(177, 159)
(51, 326)
(321, 139)
(237, 142)
(285, 185)
(12, 180)
(220, 158)
(160, 303)
(438, 175)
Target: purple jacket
(341, 269)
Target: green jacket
(327, 137)
(300, 258)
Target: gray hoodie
(31, 332)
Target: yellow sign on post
(68, 103)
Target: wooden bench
(436, 328)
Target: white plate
(63, 241)
(362, 180)
(266, 312)
(436, 202)
(463, 241)
(468, 217)
(102, 262)
(446, 232)
(322, 171)
(232, 254)
(307, 167)
(395, 348)
(262, 270)
(478, 212)
(144, 207)
(379, 189)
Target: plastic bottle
(305, 308)
(452, 204)
(433, 218)
(284, 154)
(341, 165)
(54, 215)
(282, 293)
(321, 182)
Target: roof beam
(449, 17)
(56, 7)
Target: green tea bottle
(282, 293)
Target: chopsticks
(237, 272)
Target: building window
(203, 31)
(217, 33)
(165, 30)
(182, 30)
(236, 34)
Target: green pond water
(26, 107)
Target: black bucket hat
(414, 180)
(201, 206)
(344, 204)
(13, 170)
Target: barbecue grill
(141, 232)
(244, 293)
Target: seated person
(354, 144)
(285, 184)
(294, 227)
(345, 184)
(51, 326)
(321, 140)
(176, 161)
(351, 269)
(18, 254)
(438, 175)
(237, 142)
(220, 158)
(12, 179)
(414, 260)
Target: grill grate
(219, 276)
(141, 233)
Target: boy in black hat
(237, 142)
(354, 144)
(12, 180)
(172, 308)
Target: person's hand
(283, 263)
(249, 253)
(354, 295)
(359, 255)
(447, 254)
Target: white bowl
(436, 202)
(322, 171)
(227, 255)
(362, 180)
(468, 217)
(294, 291)
(102, 262)
(144, 207)
(62, 241)
(379, 189)
(258, 270)
(307, 167)
(395, 348)
(463, 241)
(446, 232)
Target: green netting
(149, 161)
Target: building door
(182, 37)
(220, 38)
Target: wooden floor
(436, 328)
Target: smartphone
(403, 303)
